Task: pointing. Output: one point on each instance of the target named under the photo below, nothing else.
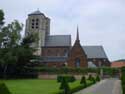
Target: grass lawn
(35, 86)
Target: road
(107, 86)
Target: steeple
(77, 37)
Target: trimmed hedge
(97, 78)
(83, 84)
(67, 70)
(63, 70)
(83, 81)
(76, 89)
(91, 78)
(4, 89)
(80, 87)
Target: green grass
(35, 86)
(32, 86)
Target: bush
(97, 78)
(123, 79)
(68, 78)
(80, 87)
(91, 78)
(83, 81)
(4, 89)
(65, 86)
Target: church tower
(38, 23)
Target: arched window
(65, 53)
(77, 62)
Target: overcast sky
(101, 22)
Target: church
(58, 51)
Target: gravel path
(107, 86)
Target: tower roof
(37, 12)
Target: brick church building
(57, 50)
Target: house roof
(54, 59)
(58, 40)
(37, 12)
(118, 64)
(94, 51)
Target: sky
(100, 22)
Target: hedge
(78, 88)
(68, 70)
(123, 79)
(4, 89)
(68, 78)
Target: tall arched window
(65, 53)
(77, 62)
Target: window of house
(37, 23)
(77, 62)
(32, 26)
(32, 20)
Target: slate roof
(94, 51)
(58, 40)
(54, 59)
(36, 13)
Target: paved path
(108, 86)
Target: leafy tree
(83, 81)
(14, 50)
(1, 18)
(10, 36)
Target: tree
(10, 37)
(1, 18)
(14, 49)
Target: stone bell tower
(38, 23)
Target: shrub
(65, 86)
(83, 81)
(123, 79)
(97, 78)
(80, 87)
(91, 78)
(4, 89)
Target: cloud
(101, 22)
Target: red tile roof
(118, 64)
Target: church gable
(77, 56)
